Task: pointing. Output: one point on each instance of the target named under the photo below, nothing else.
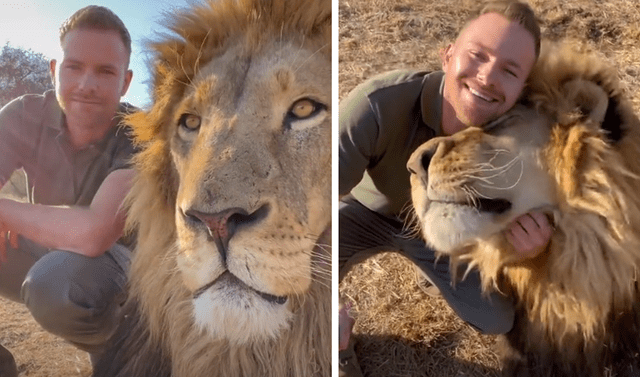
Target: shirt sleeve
(358, 134)
(14, 138)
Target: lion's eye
(305, 113)
(303, 108)
(190, 122)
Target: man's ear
(52, 71)
(128, 76)
(445, 55)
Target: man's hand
(345, 324)
(529, 234)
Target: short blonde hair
(95, 17)
(515, 11)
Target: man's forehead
(84, 45)
(495, 32)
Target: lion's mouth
(230, 279)
(495, 206)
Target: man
(66, 265)
(386, 118)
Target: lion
(230, 275)
(570, 149)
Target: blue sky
(33, 24)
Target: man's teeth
(477, 94)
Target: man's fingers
(529, 234)
(345, 324)
(520, 238)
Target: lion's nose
(223, 225)
(419, 161)
(421, 158)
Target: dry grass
(400, 331)
(38, 353)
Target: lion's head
(235, 176)
(571, 150)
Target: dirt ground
(38, 353)
(400, 331)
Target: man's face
(92, 76)
(486, 69)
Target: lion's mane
(158, 336)
(577, 303)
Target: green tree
(21, 72)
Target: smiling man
(385, 119)
(66, 150)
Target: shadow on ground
(388, 356)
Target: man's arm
(88, 231)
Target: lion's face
(471, 185)
(252, 149)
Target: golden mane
(590, 267)
(575, 298)
(156, 287)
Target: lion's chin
(239, 315)
(448, 226)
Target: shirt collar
(53, 111)
(431, 100)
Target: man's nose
(487, 73)
(88, 82)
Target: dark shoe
(349, 363)
(8, 366)
(426, 285)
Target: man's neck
(450, 122)
(82, 135)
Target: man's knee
(497, 320)
(67, 298)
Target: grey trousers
(364, 233)
(70, 295)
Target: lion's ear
(613, 120)
(595, 104)
(588, 98)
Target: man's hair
(95, 17)
(515, 11)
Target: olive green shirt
(382, 121)
(34, 136)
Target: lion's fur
(157, 291)
(576, 301)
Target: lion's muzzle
(222, 225)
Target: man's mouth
(482, 96)
(89, 101)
